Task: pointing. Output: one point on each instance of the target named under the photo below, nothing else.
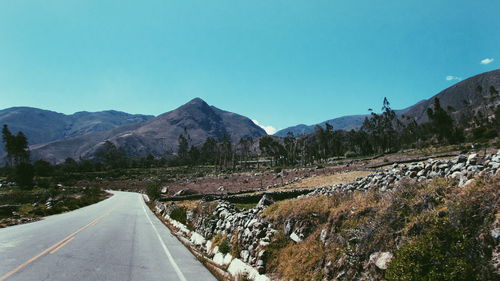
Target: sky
(281, 63)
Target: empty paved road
(116, 239)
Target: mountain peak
(196, 101)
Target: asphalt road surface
(116, 239)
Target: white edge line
(167, 252)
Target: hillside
(158, 136)
(462, 98)
(41, 126)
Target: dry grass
(340, 178)
(188, 204)
(300, 261)
(301, 206)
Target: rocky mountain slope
(41, 126)
(158, 136)
(461, 98)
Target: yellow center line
(56, 246)
(62, 245)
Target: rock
(472, 159)
(323, 235)
(265, 201)
(457, 167)
(244, 255)
(295, 237)
(494, 165)
(461, 159)
(197, 239)
(495, 233)
(180, 192)
(219, 258)
(237, 267)
(381, 259)
(288, 226)
(456, 175)
(227, 259)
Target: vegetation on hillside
(436, 231)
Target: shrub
(179, 214)
(24, 174)
(153, 190)
(225, 246)
(43, 182)
(441, 253)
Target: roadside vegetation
(30, 191)
(436, 231)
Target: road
(116, 239)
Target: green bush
(153, 190)
(179, 214)
(43, 182)
(24, 174)
(443, 252)
(225, 246)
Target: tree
(245, 145)
(194, 155)
(110, 155)
(441, 122)
(226, 151)
(183, 148)
(43, 168)
(16, 147)
(18, 157)
(291, 148)
(7, 138)
(209, 151)
(272, 148)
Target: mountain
(158, 136)
(464, 97)
(347, 123)
(41, 126)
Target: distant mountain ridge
(462, 96)
(41, 126)
(347, 123)
(158, 136)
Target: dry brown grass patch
(340, 178)
(301, 206)
(302, 261)
(188, 204)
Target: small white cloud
(452, 78)
(487, 60)
(270, 130)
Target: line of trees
(221, 153)
(382, 133)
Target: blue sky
(279, 62)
